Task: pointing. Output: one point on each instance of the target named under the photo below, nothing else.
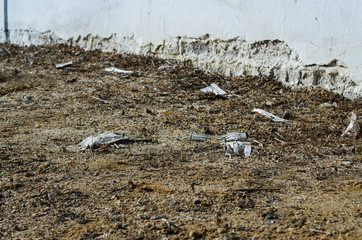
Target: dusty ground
(302, 181)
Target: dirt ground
(302, 180)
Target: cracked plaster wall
(319, 41)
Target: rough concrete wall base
(234, 57)
(269, 58)
(112, 43)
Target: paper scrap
(116, 70)
(213, 88)
(269, 115)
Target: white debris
(63, 65)
(233, 136)
(247, 150)
(352, 127)
(198, 137)
(164, 67)
(346, 163)
(240, 148)
(106, 139)
(269, 103)
(116, 70)
(328, 105)
(269, 115)
(213, 88)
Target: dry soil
(302, 180)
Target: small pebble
(286, 115)
(173, 203)
(328, 105)
(118, 225)
(346, 163)
(28, 97)
(194, 235)
(269, 103)
(197, 201)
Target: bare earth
(302, 180)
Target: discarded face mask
(269, 115)
(240, 148)
(106, 139)
(213, 88)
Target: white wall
(318, 31)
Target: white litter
(352, 127)
(106, 139)
(198, 137)
(233, 136)
(269, 115)
(63, 65)
(247, 150)
(116, 70)
(164, 67)
(240, 148)
(213, 88)
(328, 105)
